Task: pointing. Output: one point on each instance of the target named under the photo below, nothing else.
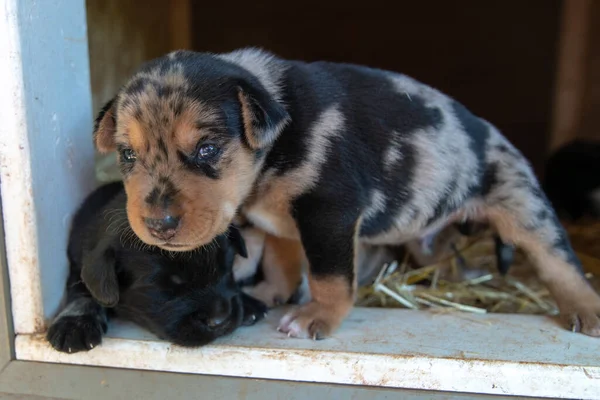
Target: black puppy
(188, 298)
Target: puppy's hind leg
(523, 215)
(282, 264)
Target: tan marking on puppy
(332, 291)
(104, 137)
(272, 209)
(257, 139)
(282, 263)
(135, 136)
(186, 134)
(579, 305)
(269, 206)
(135, 190)
(247, 118)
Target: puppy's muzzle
(163, 228)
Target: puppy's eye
(128, 155)
(206, 152)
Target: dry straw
(468, 279)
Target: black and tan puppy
(188, 298)
(329, 154)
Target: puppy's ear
(263, 117)
(238, 242)
(99, 275)
(105, 128)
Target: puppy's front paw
(71, 334)
(254, 310)
(311, 321)
(584, 321)
(580, 308)
(582, 316)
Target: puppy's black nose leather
(162, 228)
(220, 313)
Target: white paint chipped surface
(496, 354)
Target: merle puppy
(188, 298)
(333, 155)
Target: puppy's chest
(269, 208)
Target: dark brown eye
(206, 152)
(128, 155)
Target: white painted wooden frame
(46, 168)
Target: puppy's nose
(220, 313)
(162, 228)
